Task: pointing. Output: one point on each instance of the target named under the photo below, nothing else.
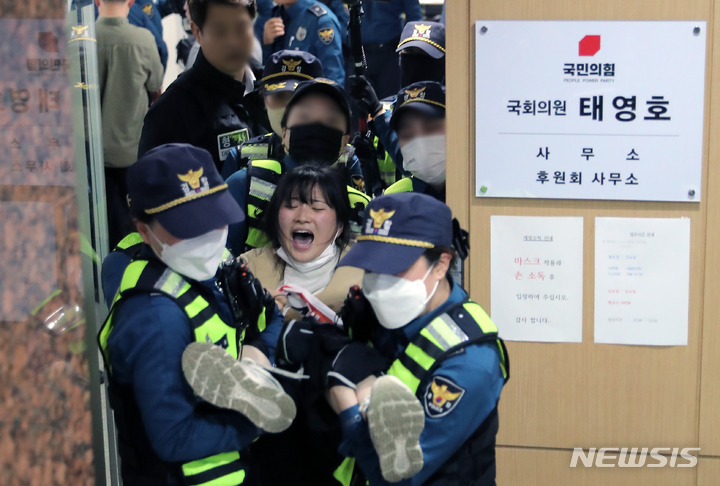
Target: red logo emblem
(589, 45)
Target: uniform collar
(297, 8)
(113, 20)
(457, 295)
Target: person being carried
(175, 320)
(308, 223)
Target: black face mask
(421, 67)
(315, 142)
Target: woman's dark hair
(300, 183)
(198, 8)
(432, 255)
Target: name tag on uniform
(226, 141)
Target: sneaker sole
(396, 419)
(220, 379)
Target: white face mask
(424, 157)
(197, 258)
(315, 275)
(275, 116)
(396, 300)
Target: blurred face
(316, 108)
(415, 124)
(278, 100)
(306, 230)
(226, 38)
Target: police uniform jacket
(474, 378)
(146, 346)
(313, 28)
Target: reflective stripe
(403, 185)
(261, 189)
(488, 326)
(252, 152)
(131, 275)
(196, 306)
(344, 471)
(171, 283)
(202, 465)
(405, 375)
(440, 335)
(458, 333)
(130, 240)
(232, 479)
(419, 356)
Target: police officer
(418, 121)
(306, 25)
(282, 74)
(211, 105)
(422, 58)
(149, 14)
(315, 128)
(433, 419)
(381, 28)
(422, 52)
(169, 298)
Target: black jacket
(206, 108)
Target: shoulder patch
(317, 9)
(327, 35)
(441, 397)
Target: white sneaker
(243, 386)
(396, 419)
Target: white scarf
(313, 276)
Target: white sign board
(589, 110)
(536, 275)
(642, 281)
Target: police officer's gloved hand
(295, 342)
(354, 363)
(358, 316)
(363, 93)
(367, 154)
(248, 299)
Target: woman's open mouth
(302, 239)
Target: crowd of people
(282, 310)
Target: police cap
(286, 69)
(178, 184)
(428, 36)
(322, 86)
(424, 96)
(397, 229)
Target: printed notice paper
(642, 281)
(536, 274)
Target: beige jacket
(270, 269)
